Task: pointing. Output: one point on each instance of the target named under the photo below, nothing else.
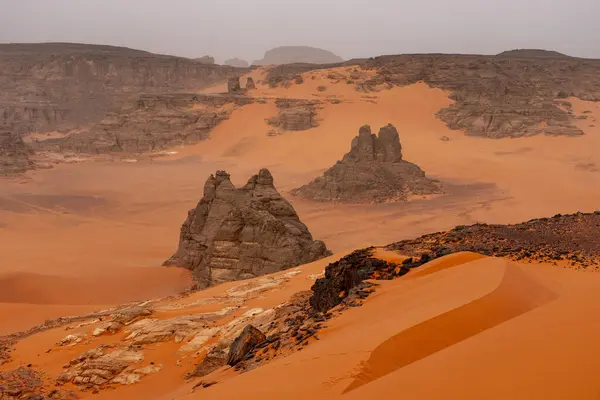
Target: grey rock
(233, 85)
(373, 171)
(250, 83)
(244, 344)
(14, 154)
(240, 233)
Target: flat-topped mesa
(373, 171)
(240, 233)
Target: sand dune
(474, 329)
(86, 236)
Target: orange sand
(86, 236)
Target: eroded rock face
(235, 234)
(151, 123)
(14, 154)
(295, 115)
(250, 83)
(63, 86)
(373, 171)
(244, 344)
(233, 85)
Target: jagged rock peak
(373, 171)
(240, 233)
(250, 84)
(384, 148)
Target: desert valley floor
(92, 235)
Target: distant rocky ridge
(205, 60)
(298, 54)
(242, 233)
(529, 53)
(62, 86)
(373, 171)
(495, 96)
(14, 154)
(499, 96)
(236, 62)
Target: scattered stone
(445, 139)
(244, 344)
(572, 237)
(322, 88)
(235, 234)
(373, 171)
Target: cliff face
(152, 122)
(59, 86)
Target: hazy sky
(350, 28)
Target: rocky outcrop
(215, 359)
(373, 171)
(497, 96)
(14, 154)
(244, 344)
(242, 233)
(295, 115)
(233, 85)
(573, 239)
(152, 122)
(236, 62)
(298, 54)
(250, 84)
(205, 60)
(63, 86)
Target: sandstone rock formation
(205, 60)
(498, 96)
(373, 171)
(233, 85)
(152, 122)
(295, 115)
(298, 54)
(250, 84)
(14, 154)
(236, 62)
(242, 233)
(62, 86)
(244, 344)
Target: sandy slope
(102, 229)
(476, 328)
